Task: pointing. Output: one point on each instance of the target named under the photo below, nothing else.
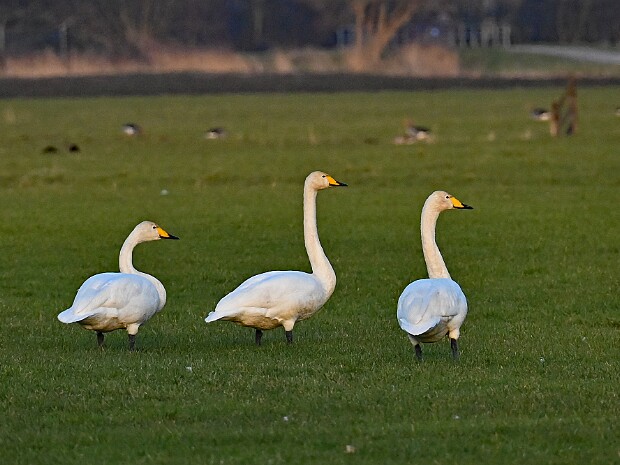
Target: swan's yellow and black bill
(334, 183)
(458, 204)
(164, 235)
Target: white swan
(280, 298)
(428, 309)
(109, 301)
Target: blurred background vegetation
(351, 35)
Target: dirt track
(197, 83)
(577, 53)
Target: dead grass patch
(414, 61)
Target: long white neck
(125, 265)
(321, 267)
(432, 256)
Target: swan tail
(420, 328)
(70, 316)
(434, 334)
(223, 314)
(213, 316)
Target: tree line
(129, 28)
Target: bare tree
(376, 24)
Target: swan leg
(132, 330)
(289, 336)
(455, 348)
(416, 346)
(132, 342)
(418, 352)
(100, 338)
(258, 336)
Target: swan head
(319, 180)
(444, 201)
(149, 231)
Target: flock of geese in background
(412, 132)
(428, 309)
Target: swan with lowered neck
(110, 301)
(428, 309)
(281, 298)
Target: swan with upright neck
(281, 298)
(110, 301)
(428, 309)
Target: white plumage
(281, 298)
(428, 309)
(110, 301)
(132, 129)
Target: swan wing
(278, 295)
(426, 302)
(127, 297)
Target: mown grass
(537, 258)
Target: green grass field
(537, 381)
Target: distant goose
(216, 133)
(131, 129)
(428, 309)
(618, 111)
(50, 149)
(281, 298)
(540, 114)
(418, 133)
(110, 301)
